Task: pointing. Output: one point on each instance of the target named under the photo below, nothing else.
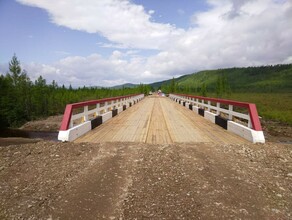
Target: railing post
(106, 107)
(209, 103)
(249, 121)
(71, 124)
(85, 117)
(218, 108)
(230, 112)
(97, 108)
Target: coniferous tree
(172, 88)
(204, 90)
(15, 70)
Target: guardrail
(82, 117)
(225, 114)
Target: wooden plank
(159, 120)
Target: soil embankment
(51, 124)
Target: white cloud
(108, 45)
(288, 60)
(151, 12)
(95, 70)
(119, 21)
(231, 33)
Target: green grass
(273, 106)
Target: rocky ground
(277, 132)
(50, 180)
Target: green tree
(15, 70)
(204, 90)
(18, 94)
(222, 86)
(219, 86)
(5, 101)
(172, 87)
(40, 97)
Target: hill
(276, 78)
(157, 85)
(126, 85)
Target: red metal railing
(252, 110)
(69, 108)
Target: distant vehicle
(160, 93)
(150, 93)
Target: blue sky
(28, 32)
(110, 42)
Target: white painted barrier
(210, 116)
(75, 132)
(89, 119)
(204, 105)
(196, 109)
(120, 109)
(245, 132)
(106, 116)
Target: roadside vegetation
(269, 87)
(22, 100)
(273, 106)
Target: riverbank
(51, 124)
(32, 132)
(17, 141)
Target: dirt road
(49, 180)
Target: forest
(22, 100)
(261, 79)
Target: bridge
(136, 157)
(154, 119)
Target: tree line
(22, 100)
(222, 88)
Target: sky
(112, 42)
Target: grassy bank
(273, 106)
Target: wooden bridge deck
(159, 120)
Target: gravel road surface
(47, 180)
